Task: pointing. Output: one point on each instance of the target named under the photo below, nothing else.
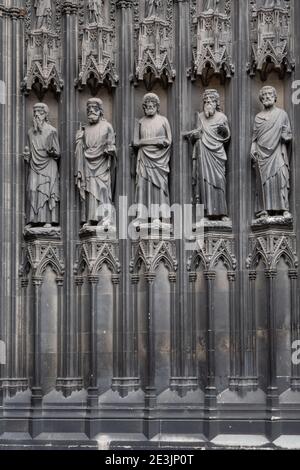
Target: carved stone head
(40, 116)
(211, 102)
(151, 104)
(94, 110)
(268, 96)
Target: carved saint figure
(152, 7)
(272, 132)
(153, 140)
(211, 5)
(209, 157)
(95, 163)
(43, 179)
(43, 13)
(96, 10)
(272, 3)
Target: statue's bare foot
(287, 215)
(47, 225)
(225, 219)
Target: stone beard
(43, 179)
(210, 157)
(95, 164)
(154, 140)
(272, 132)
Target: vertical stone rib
(69, 209)
(210, 389)
(124, 111)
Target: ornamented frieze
(43, 47)
(271, 44)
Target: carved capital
(172, 278)
(69, 7)
(210, 275)
(115, 278)
(37, 281)
(24, 282)
(79, 281)
(231, 276)
(192, 277)
(150, 277)
(270, 273)
(124, 4)
(12, 12)
(93, 280)
(252, 275)
(293, 274)
(135, 279)
(60, 281)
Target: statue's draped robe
(94, 168)
(210, 155)
(152, 7)
(43, 178)
(42, 7)
(153, 165)
(273, 160)
(210, 5)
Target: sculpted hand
(26, 154)
(222, 130)
(286, 135)
(80, 134)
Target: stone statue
(272, 132)
(43, 180)
(43, 13)
(153, 140)
(209, 157)
(152, 7)
(96, 10)
(272, 3)
(211, 5)
(95, 166)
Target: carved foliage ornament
(154, 39)
(212, 41)
(271, 45)
(38, 255)
(270, 248)
(151, 253)
(211, 252)
(97, 37)
(92, 255)
(43, 47)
